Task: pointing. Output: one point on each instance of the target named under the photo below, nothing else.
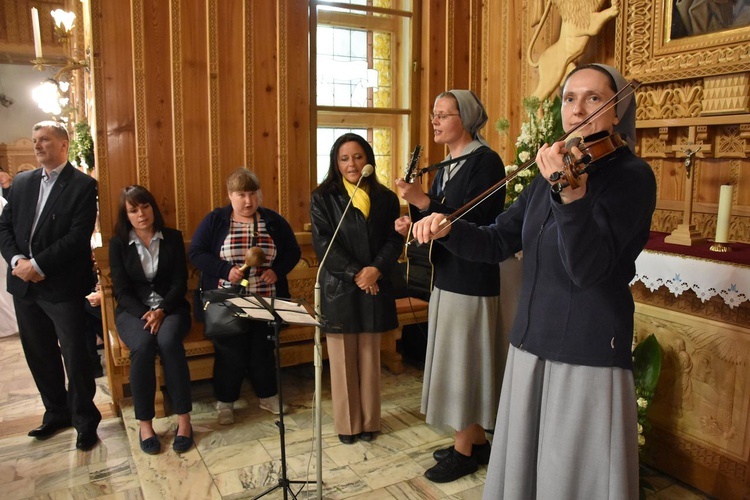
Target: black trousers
(49, 330)
(250, 355)
(144, 346)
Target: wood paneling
(189, 90)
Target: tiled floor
(238, 461)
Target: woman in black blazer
(149, 275)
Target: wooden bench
(296, 341)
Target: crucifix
(686, 234)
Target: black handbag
(221, 318)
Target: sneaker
(225, 413)
(271, 404)
(452, 467)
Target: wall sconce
(64, 24)
(52, 94)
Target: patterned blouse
(242, 236)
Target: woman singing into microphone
(357, 295)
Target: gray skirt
(464, 360)
(564, 431)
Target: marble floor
(237, 461)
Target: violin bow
(624, 92)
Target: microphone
(367, 170)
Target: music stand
(276, 323)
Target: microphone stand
(318, 355)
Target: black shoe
(347, 439)
(152, 446)
(367, 436)
(183, 443)
(482, 452)
(479, 451)
(451, 468)
(86, 440)
(49, 429)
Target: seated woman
(218, 249)
(149, 277)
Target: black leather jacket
(359, 243)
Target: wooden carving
(581, 19)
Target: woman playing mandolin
(567, 423)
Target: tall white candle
(37, 32)
(722, 218)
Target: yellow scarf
(361, 199)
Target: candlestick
(722, 219)
(37, 32)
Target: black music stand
(276, 323)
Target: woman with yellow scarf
(357, 299)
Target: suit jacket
(61, 243)
(130, 285)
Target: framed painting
(667, 40)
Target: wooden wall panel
(154, 103)
(294, 112)
(115, 115)
(230, 47)
(263, 113)
(190, 79)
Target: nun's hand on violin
(432, 226)
(550, 160)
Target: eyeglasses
(442, 116)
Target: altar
(697, 303)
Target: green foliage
(81, 151)
(646, 369)
(543, 126)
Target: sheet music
(290, 312)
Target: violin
(575, 168)
(593, 148)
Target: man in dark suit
(45, 234)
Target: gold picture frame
(646, 51)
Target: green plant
(543, 126)
(81, 151)
(646, 369)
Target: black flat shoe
(452, 467)
(347, 439)
(183, 443)
(152, 446)
(86, 440)
(49, 429)
(367, 436)
(481, 452)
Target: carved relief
(671, 100)
(177, 109)
(730, 143)
(139, 76)
(581, 19)
(726, 94)
(703, 391)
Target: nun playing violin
(567, 423)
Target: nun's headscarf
(473, 115)
(625, 107)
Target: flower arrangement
(646, 370)
(543, 126)
(81, 151)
